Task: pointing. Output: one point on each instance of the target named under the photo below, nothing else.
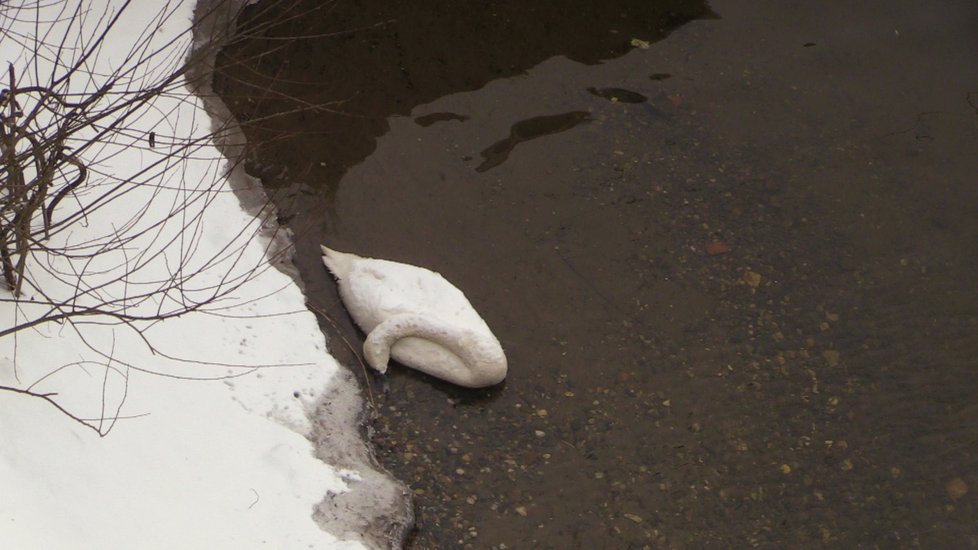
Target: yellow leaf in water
(752, 278)
(641, 44)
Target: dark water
(734, 272)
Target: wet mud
(732, 263)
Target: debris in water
(956, 488)
(641, 44)
(716, 248)
(618, 95)
(752, 278)
(633, 517)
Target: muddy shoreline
(376, 511)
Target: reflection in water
(526, 130)
(318, 104)
(428, 120)
(618, 95)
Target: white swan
(417, 317)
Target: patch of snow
(215, 422)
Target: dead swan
(417, 317)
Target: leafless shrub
(82, 241)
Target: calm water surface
(734, 271)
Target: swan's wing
(389, 288)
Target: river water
(729, 251)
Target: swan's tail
(339, 263)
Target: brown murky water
(734, 272)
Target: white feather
(417, 317)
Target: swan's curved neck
(470, 358)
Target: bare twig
(83, 244)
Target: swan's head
(462, 356)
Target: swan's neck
(466, 357)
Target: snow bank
(205, 415)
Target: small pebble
(956, 488)
(752, 278)
(633, 517)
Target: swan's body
(417, 317)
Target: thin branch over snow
(110, 210)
